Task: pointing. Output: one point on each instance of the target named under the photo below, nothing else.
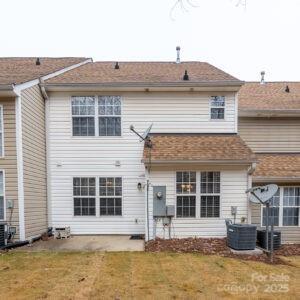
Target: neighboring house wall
(9, 162)
(271, 134)
(96, 156)
(34, 161)
(233, 187)
(288, 234)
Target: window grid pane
(210, 194)
(186, 182)
(1, 132)
(84, 192)
(291, 203)
(109, 189)
(186, 207)
(1, 197)
(217, 110)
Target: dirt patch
(215, 246)
(288, 250)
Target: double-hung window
(274, 211)
(96, 116)
(291, 204)
(109, 109)
(83, 116)
(84, 196)
(2, 207)
(217, 107)
(1, 132)
(110, 196)
(186, 194)
(210, 195)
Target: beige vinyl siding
(9, 162)
(271, 134)
(34, 162)
(289, 234)
(233, 186)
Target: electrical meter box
(159, 201)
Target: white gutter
(269, 113)
(275, 179)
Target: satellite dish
(146, 133)
(262, 194)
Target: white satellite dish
(262, 194)
(146, 133)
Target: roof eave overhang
(202, 162)
(230, 86)
(7, 90)
(270, 113)
(275, 179)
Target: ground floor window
(2, 214)
(90, 193)
(285, 207)
(110, 196)
(205, 195)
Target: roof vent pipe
(117, 67)
(186, 76)
(178, 55)
(37, 62)
(262, 80)
(287, 89)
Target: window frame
(211, 194)
(99, 196)
(2, 131)
(4, 196)
(73, 197)
(214, 106)
(187, 194)
(96, 118)
(281, 209)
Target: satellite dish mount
(145, 136)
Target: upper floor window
(217, 108)
(96, 116)
(1, 132)
(109, 115)
(83, 116)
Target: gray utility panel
(159, 201)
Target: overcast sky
(243, 41)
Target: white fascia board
(270, 113)
(275, 179)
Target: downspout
(250, 171)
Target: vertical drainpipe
(19, 146)
(250, 171)
(147, 226)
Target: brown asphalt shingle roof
(269, 96)
(16, 70)
(197, 147)
(142, 72)
(278, 165)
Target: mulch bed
(215, 246)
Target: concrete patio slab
(87, 243)
(256, 251)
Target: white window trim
(213, 106)
(211, 194)
(2, 131)
(97, 197)
(198, 196)
(194, 194)
(111, 216)
(4, 196)
(96, 118)
(280, 210)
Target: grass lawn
(96, 275)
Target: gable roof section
(270, 96)
(18, 70)
(137, 73)
(277, 166)
(205, 148)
